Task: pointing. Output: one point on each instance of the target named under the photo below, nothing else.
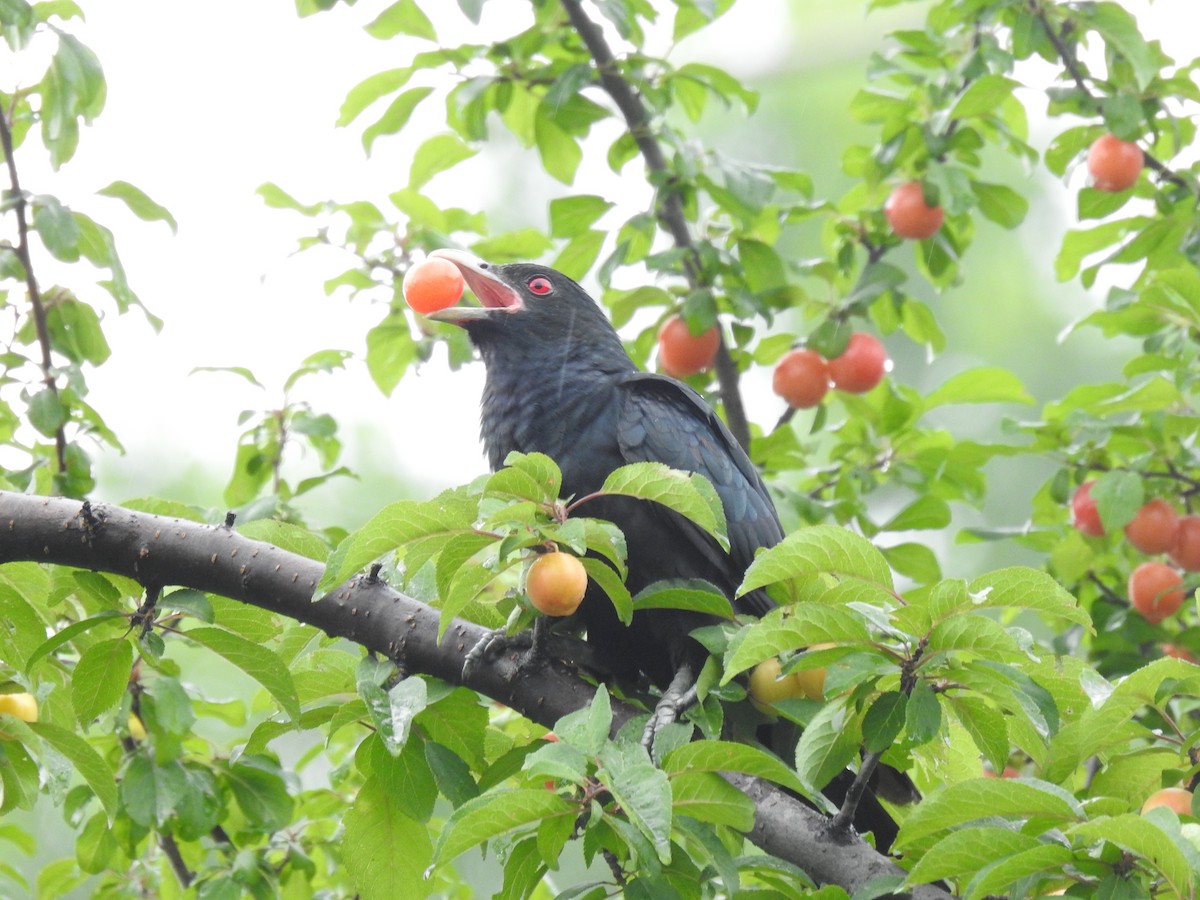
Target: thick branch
(216, 559)
(35, 295)
(669, 207)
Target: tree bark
(159, 551)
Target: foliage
(323, 771)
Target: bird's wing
(662, 420)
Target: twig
(31, 285)
(669, 207)
(844, 817)
(1071, 63)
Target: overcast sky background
(208, 101)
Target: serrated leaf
(385, 851)
(1141, 837)
(968, 851)
(643, 792)
(729, 756)
(258, 785)
(612, 585)
(1118, 495)
(710, 798)
(922, 714)
(986, 727)
(689, 494)
(395, 117)
(263, 665)
(493, 814)
(90, 765)
(884, 721)
(974, 634)
(369, 90)
(100, 678)
(1004, 871)
(1020, 587)
(983, 96)
(402, 17)
(829, 743)
(397, 524)
(982, 798)
(923, 513)
(804, 625)
(819, 549)
(69, 633)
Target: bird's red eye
(540, 285)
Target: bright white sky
(206, 102)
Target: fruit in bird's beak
(432, 284)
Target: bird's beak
(493, 292)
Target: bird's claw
(679, 695)
(531, 644)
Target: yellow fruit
(556, 583)
(767, 687)
(22, 706)
(137, 730)
(1175, 798)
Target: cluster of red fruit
(1155, 588)
(803, 376)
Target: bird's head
(531, 311)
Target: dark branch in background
(216, 559)
(19, 205)
(1071, 63)
(669, 206)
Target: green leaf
(90, 765)
(1000, 203)
(403, 17)
(1146, 840)
(884, 720)
(1119, 29)
(1004, 871)
(819, 549)
(986, 727)
(395, 116)
(496, 813)
(263, 665)
(983, 96)
(804, 625)
(968, 851)
(710, 798)
(139, 203)
(612, 585)
(370, 89)
(729, 756)
(436, 154)
(689, 494)
(70, 632)
(981, 385)
(922, 714)
(1019, 587)
(572, 215)
(642, 790)
(100, 678)
(560, 152)
(983, 798)
(258, 785)
(47, 413)
(699, 596)
(828, 744)
(385, 851)
(1118, 495)
(397, 525)
(923, 513)
(56, 226)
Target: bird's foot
(679, 696)
(529, 644)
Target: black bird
(560, 382)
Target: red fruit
(1009, 772)
(432, 284)
(1174, 798)
(908, 215)
(1114, 164)
(556, 583)
(1176, 652)
(861, 366)
(1154, 528)
(681, 353)
(1155, 591)
(1085, 516)
(801, 378)
(1186, 552)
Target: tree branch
(19, 205)
(669, 205)
(216, 559)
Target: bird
(559, 381)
